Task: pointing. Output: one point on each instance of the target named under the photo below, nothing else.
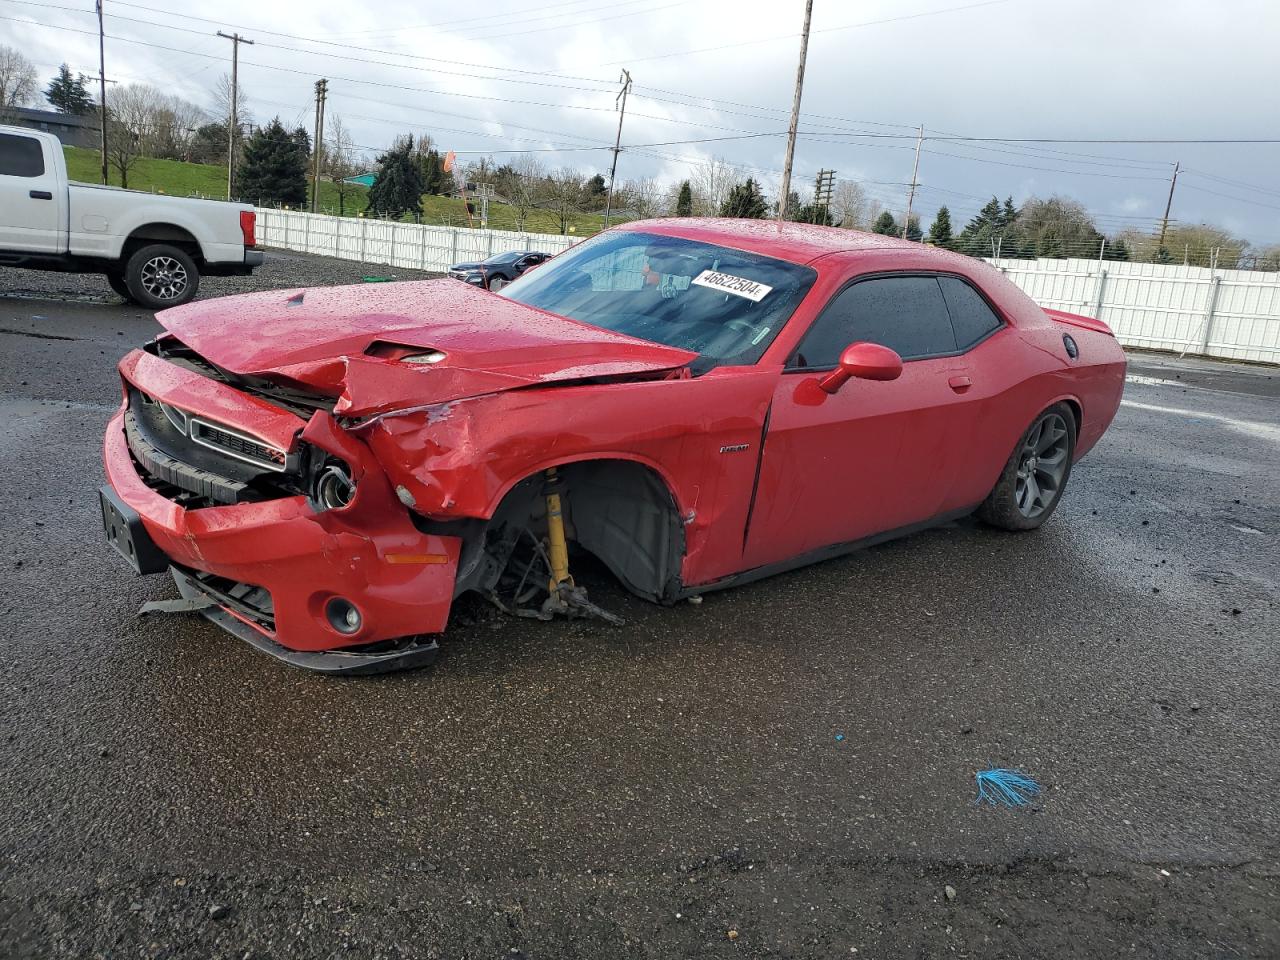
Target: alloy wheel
(164, 278)
(1042, 466)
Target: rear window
(972, 318)
(20, 156)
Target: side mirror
(866, 361)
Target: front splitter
(408, 654)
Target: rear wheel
(116, 282)
(1032, 481)
(160, 276)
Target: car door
(31, 198)
(874, 456)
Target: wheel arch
(621, 508)
(161, 232)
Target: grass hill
(181, 179)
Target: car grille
(237, 445)
(252, 602)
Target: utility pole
(233, 130)
(823, 187)
(322, 94)
(1164, 224)
(621, 102)
(785, 194)
(911, 192)
(102, 83)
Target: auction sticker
(728, 283)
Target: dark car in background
(498, 270)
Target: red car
(698, 403)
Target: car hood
(321, 339)
(468, 266)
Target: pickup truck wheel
(116, 282)
(161, 276)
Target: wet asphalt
(785, 770)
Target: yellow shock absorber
(559, 549)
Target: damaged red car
(698, 403)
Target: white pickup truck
(151, 248)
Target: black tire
(1032, 481)
(116, 282)
(160, 276)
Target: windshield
(500, 258)
(723, 304)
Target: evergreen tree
(274, 168)
(886, 225)
(940, 229)
(977, 236)
(1117, 250)
(596, 188)
(745, 201)
(435, 181)
(812, 213)
(684, 200)
(1008, 215)
(398, 187)
(914, 233)
(69, 94)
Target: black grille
(204, 432)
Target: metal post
(625, 80)
(233, 129)
(784, 194)
(911, 193)
(1102, 249)
(1210, 307)
(1097, 296)
(364, 237)
(102, 83)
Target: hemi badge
(735, 448)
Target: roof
(798, 242)
(52, 116)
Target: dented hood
(321, 337)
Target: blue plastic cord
(1001, 787)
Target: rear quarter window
(20, 156)
(971, 316)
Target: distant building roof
(52, 116)
(364, 179)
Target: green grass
(179, 179)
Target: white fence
(408, 245)
(1220, 313)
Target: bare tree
(849, 205)
(132, 116)
(521, 186)
(339, 159)
(711, 182)
(642, 197)
(222, 108)
(17, 80)
(562, 193)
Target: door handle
(40, 195)
(960, 384)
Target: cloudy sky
(508, 76)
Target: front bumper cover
(368, 553)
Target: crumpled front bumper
(369, 553)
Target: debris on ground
(1003, 787)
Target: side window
(972, 318)
(906, 314)
(20, 156)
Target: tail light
(248, 221)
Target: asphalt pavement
(784, 770)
